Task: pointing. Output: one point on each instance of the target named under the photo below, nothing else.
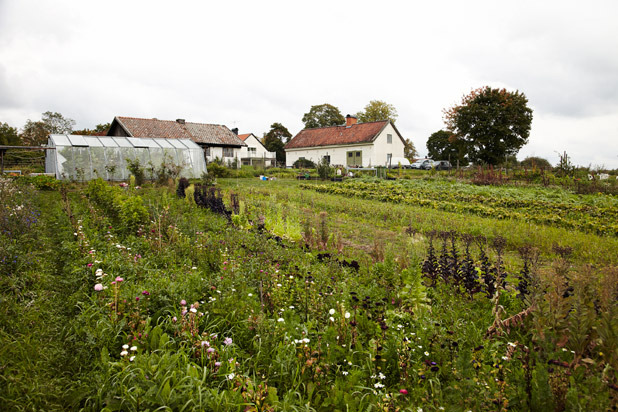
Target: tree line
(488, 126)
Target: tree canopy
(275, 139)
(323, 115)
(491, 123)
(443, 145)
(8, 135)
(535, 162)
(100, 128)
(377, 110)
(35, 133)
(409, 151)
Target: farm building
(217, 141)
(254, 153)
(353, 145)
(88, 157)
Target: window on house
(207, 151)
(228, 152)
(389, 138)
(327, 159)
(252, 150)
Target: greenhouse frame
(88, 157)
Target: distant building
(254, 153)
(217, 141)
(353, 145)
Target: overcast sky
(248, 64)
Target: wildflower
(230, 376)
(146, 293)
(89, 265)
(280, 320)
(217, 364)
(344, 372)
(205, 343)
(210, 350)
(137, 298)
(124, 353)
(505, 358)
(125, 347)
(347, 315)
(403, 391)
(98, 287)
(133, 348)
(378, 385)
(174, 319)
(426, 353)
(250, 294)
(193, 310)
(291, 306)
(183, 303)
(132, 358)
(184, 312)
(119, 279)
(514, 345)
(331, 312)
(381, 376)
(227, 341)
(305, 340)
(332, 319)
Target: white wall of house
(218, 152)
(373, 154)
(256, 149)
(338, 154)
(383, 148)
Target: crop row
(570, 213)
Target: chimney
(350, 120)
(235, 130)
(181, 121)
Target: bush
(137, 170)
(303, 163)
(325, 170)
(216, 170)
(41, 182)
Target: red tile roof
(170, 129)
(337, 135)
(243, 137)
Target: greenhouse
(89, 157)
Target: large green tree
(35, 133)
(323, 115)
(443, 145)
(8, 135)
(492, 123)
(275, 139)
(377, 110)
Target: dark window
(389, 138)
(228, 152)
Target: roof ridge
(343, 125)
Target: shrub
(303, 163)
(137, 170)
(216, 170)
(325, 170)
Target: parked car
(442, 165)
(424, 164)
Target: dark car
(442, 165)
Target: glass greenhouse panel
(88, 157)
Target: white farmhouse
(254, 153)
(353, 145)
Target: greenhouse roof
(104, 141)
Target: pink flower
(183, 303)
(98, 287)
(210, 350)
(119, 279)
(174, 319)
(145, 293)
(403, 391)
(227, 341)
(217, 364)
(89, 265)
(184, 312)
(137, 298)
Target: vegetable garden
(285, 296)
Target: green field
(282, 295)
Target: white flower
(347, 315)
(345, 372)
(230, 376)
(124, 353)
(250, 294)
(132, 358)
(280, 320)
(505, 358)
(279, 285)
(291, 306)
(426, 353)
(513, 345)
(378, 385)
(306, 340)
(332, 319)
(193, 310)
(331, 312)
(381, 376)
(125, 347)
(194, 267)
(133, 348)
